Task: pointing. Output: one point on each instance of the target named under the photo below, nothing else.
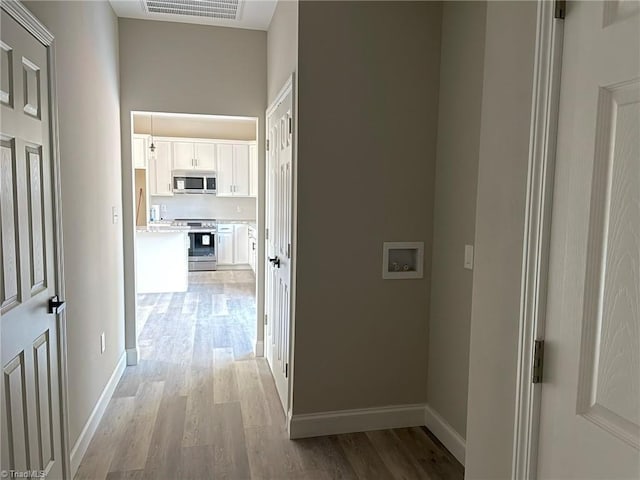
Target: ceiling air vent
(226, 9)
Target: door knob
(275, 261)
(56, 306)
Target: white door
(30, 398)
(205, 155)
(241, 170)
(590, 411)
(225, 170)
(183, 156)
(279, 223)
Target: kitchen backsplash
(206, 206)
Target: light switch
(468, 257)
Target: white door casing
(279, 220)
(33, 428)
(590, 405)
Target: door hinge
(286, 370)
(267, 145)
(266, 234)
(290, 125)
(538, 361)
(560, 9)
(289, 250)
(265, 319)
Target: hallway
(200, 406)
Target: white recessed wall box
(401, 260)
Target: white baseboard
(260, 348)
(80, 447)
(132, 356)
(358, 420)
(445, 433)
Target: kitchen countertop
(251, 223)
(167, 227)
(152, 229)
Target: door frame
(31, 24)
(290, 85)
(539, 203)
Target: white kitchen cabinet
(233, 244)
(194, 156)
(241, 170)
(205, 156)
(240, 244)
(225, 170)
(139, 151)
(183, 156)
(233, 170)
(225, 245)
(160, 169)
(253, 170)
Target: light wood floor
(200, 406)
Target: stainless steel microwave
(194, 183)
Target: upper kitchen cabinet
(253, 170)
(234, 170)
(194, 156)
(160, 169)
(140, 149)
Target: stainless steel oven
(203, 243)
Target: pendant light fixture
(152, 147)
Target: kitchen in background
(195, 197)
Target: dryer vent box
(401, 260)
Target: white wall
(86, 37)
(461, 72)
(282, 46)
(502, 177)
(184, 68)
(368, 101)
(207, 206)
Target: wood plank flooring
(199, 405)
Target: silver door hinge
(286, 370)
(266, 234)
(289, 250)
(267, 145)
(560, 9)
(538, 361)
(265, 319)
(290, 125)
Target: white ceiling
(254, 14)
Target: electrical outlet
(163, 208)
(238, 208)
(103, 343)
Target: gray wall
(282, 46)
(502, 176)
(89, 119)
(461, 71)
(183, 68)
(368, 102)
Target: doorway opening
(196, 199)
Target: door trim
(31, 24)
(289, 86)
(540, 177)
